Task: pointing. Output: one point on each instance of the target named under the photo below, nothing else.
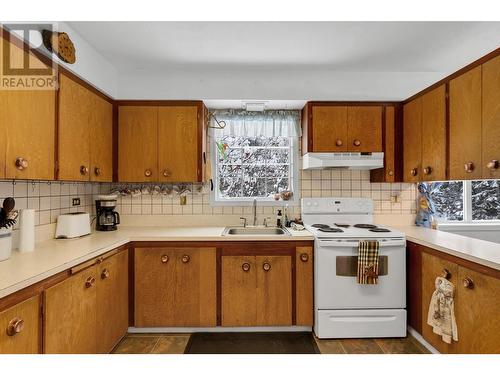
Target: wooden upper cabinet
(178, 147)
(21, 328)
(71, 315)
(101, 140)
(364, 128)
(465, 126)
(175, 287)
(412, 140)
(27, 126)
(75, 109)
(112, 301)
(329, 129)
(434, 135)
(137, 143)
(491, 118)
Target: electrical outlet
(75, 202)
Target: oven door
(335, 276)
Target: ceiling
(415, 54)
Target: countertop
(53, 256)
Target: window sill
(485, 226)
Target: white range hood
(344, 160)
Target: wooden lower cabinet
(256, 291)
(175, 287)
(20, 328)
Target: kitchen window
(475, 201)
(254, 156)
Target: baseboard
(421, 340)
(219, 329)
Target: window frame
(263, 201)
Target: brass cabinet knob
(97, 171)
(414, 172)
(427, 170)
(493, 164)
(15, 326)
(390, 172)
(84, 170)
(185, 258)
(21, 163)
(166, 173)
(148, 173)
(356, 143)
(245, 267)
(339, 142)
(446, 274)
(469, 167)
(468, 283)
(266, 266)
(90, 281)
(304, 257)
(105, 274)
(164, 258)
(99, 260)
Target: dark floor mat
(252, 343)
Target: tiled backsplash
(50, 199)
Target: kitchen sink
(254, 231)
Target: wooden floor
(176, 344)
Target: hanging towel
(368, 262)
(441, 316)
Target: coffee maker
(106, 216)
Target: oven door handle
(355, 243)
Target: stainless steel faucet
(255, 212)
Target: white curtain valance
(256, 124)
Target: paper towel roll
(27, 230)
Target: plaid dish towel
(368, 262)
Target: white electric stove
(344, 308)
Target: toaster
(72, 225)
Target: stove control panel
(337, 205)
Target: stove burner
(342, 225)
(320, 226)
(330, 230)
(365, 226)
(379, 230)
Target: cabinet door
(20, 328)
(274, 290)
(178, 151)
(364, 129)
(491, 119)
(465, 126)
(412, 140)
(112, 301)
(304, 286)
(238, 291)
(329, 131)
(101, 140)
(71, 315)
(433, 267)
(434, 135)
(75, 109)
(477, 312)
(175, 287)
(137, 144)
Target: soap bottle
(278, 219)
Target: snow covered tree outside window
(485, 200)
(447, 199)
(253, 167)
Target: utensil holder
(5, 243)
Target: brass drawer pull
(105, 274)
(245, 267)
(493, 164)
(304, 257)
(90, 281)
(185, 258)
(469, 167)
(164, 258)
(148, 173)
(468, 283)
(97, 171)
(414, 172)
(427, 170)
(84, 170)
(339, 142)
(391, 172)
(21, 163)
(356, 143)
(446, 274)
(266, 266)
(15, 326)
(166, 173)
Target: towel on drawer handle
(441, 315)
(368, 262)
